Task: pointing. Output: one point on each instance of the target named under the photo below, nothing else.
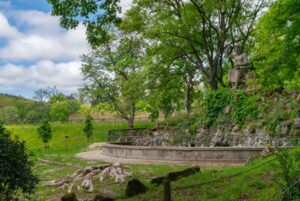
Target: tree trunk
(214, 83)
(187, 95)
(131, 118)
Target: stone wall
(190, 154)
(222, 136)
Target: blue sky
(35, 52)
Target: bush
(243, 106)
(15, 167)
(88, 126)
(214, 104)
(60, 111)
(44, 131)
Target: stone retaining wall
(201, 154)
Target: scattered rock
(95, 146)
(108, 194)
(135, 187)
(99, 197)
(227, 109)
(298, 98)
(69, 197)
(297, 123)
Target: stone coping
(110, 145)
(200, 154)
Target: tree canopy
(277, 47)
(160, 56)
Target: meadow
(67, 137)
(260, 180)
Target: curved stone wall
(201, 154)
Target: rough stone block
(135, 187)
(69, 197)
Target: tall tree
(113, 75)
(41, 95)
(203, 32)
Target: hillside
(11, 100)
(17, 109)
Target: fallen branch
(173, 176)
(83, 177)
(58, 163)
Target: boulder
(69, 197)
(100, 197)
(135, 187)
(227, 109)
(297, 123)
(108, 194)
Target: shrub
(15, 167)
(88, 126)
(214, 104)
(44, 131)
(244, 106)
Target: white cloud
(37, 22)
(6, 30)
(41, 38)
(125, 5)
(65, 76)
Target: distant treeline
(17, 109)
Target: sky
(35, 52)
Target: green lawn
(76, 140)
(260, 180)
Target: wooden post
(167, 190)
(66, 142)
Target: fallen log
(173, 176)
(58, 163)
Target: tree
(201, 32)
(9, 114)
(88, 126)
(15, 167)
(97, 15)
(44, 131)
(277, 46)
(57, 98)
(41, 95)
(38, 111)
(61, 110)
(113, 74)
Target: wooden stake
(167, 190)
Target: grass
(76, 139)
(61, 150)
(260, 180)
